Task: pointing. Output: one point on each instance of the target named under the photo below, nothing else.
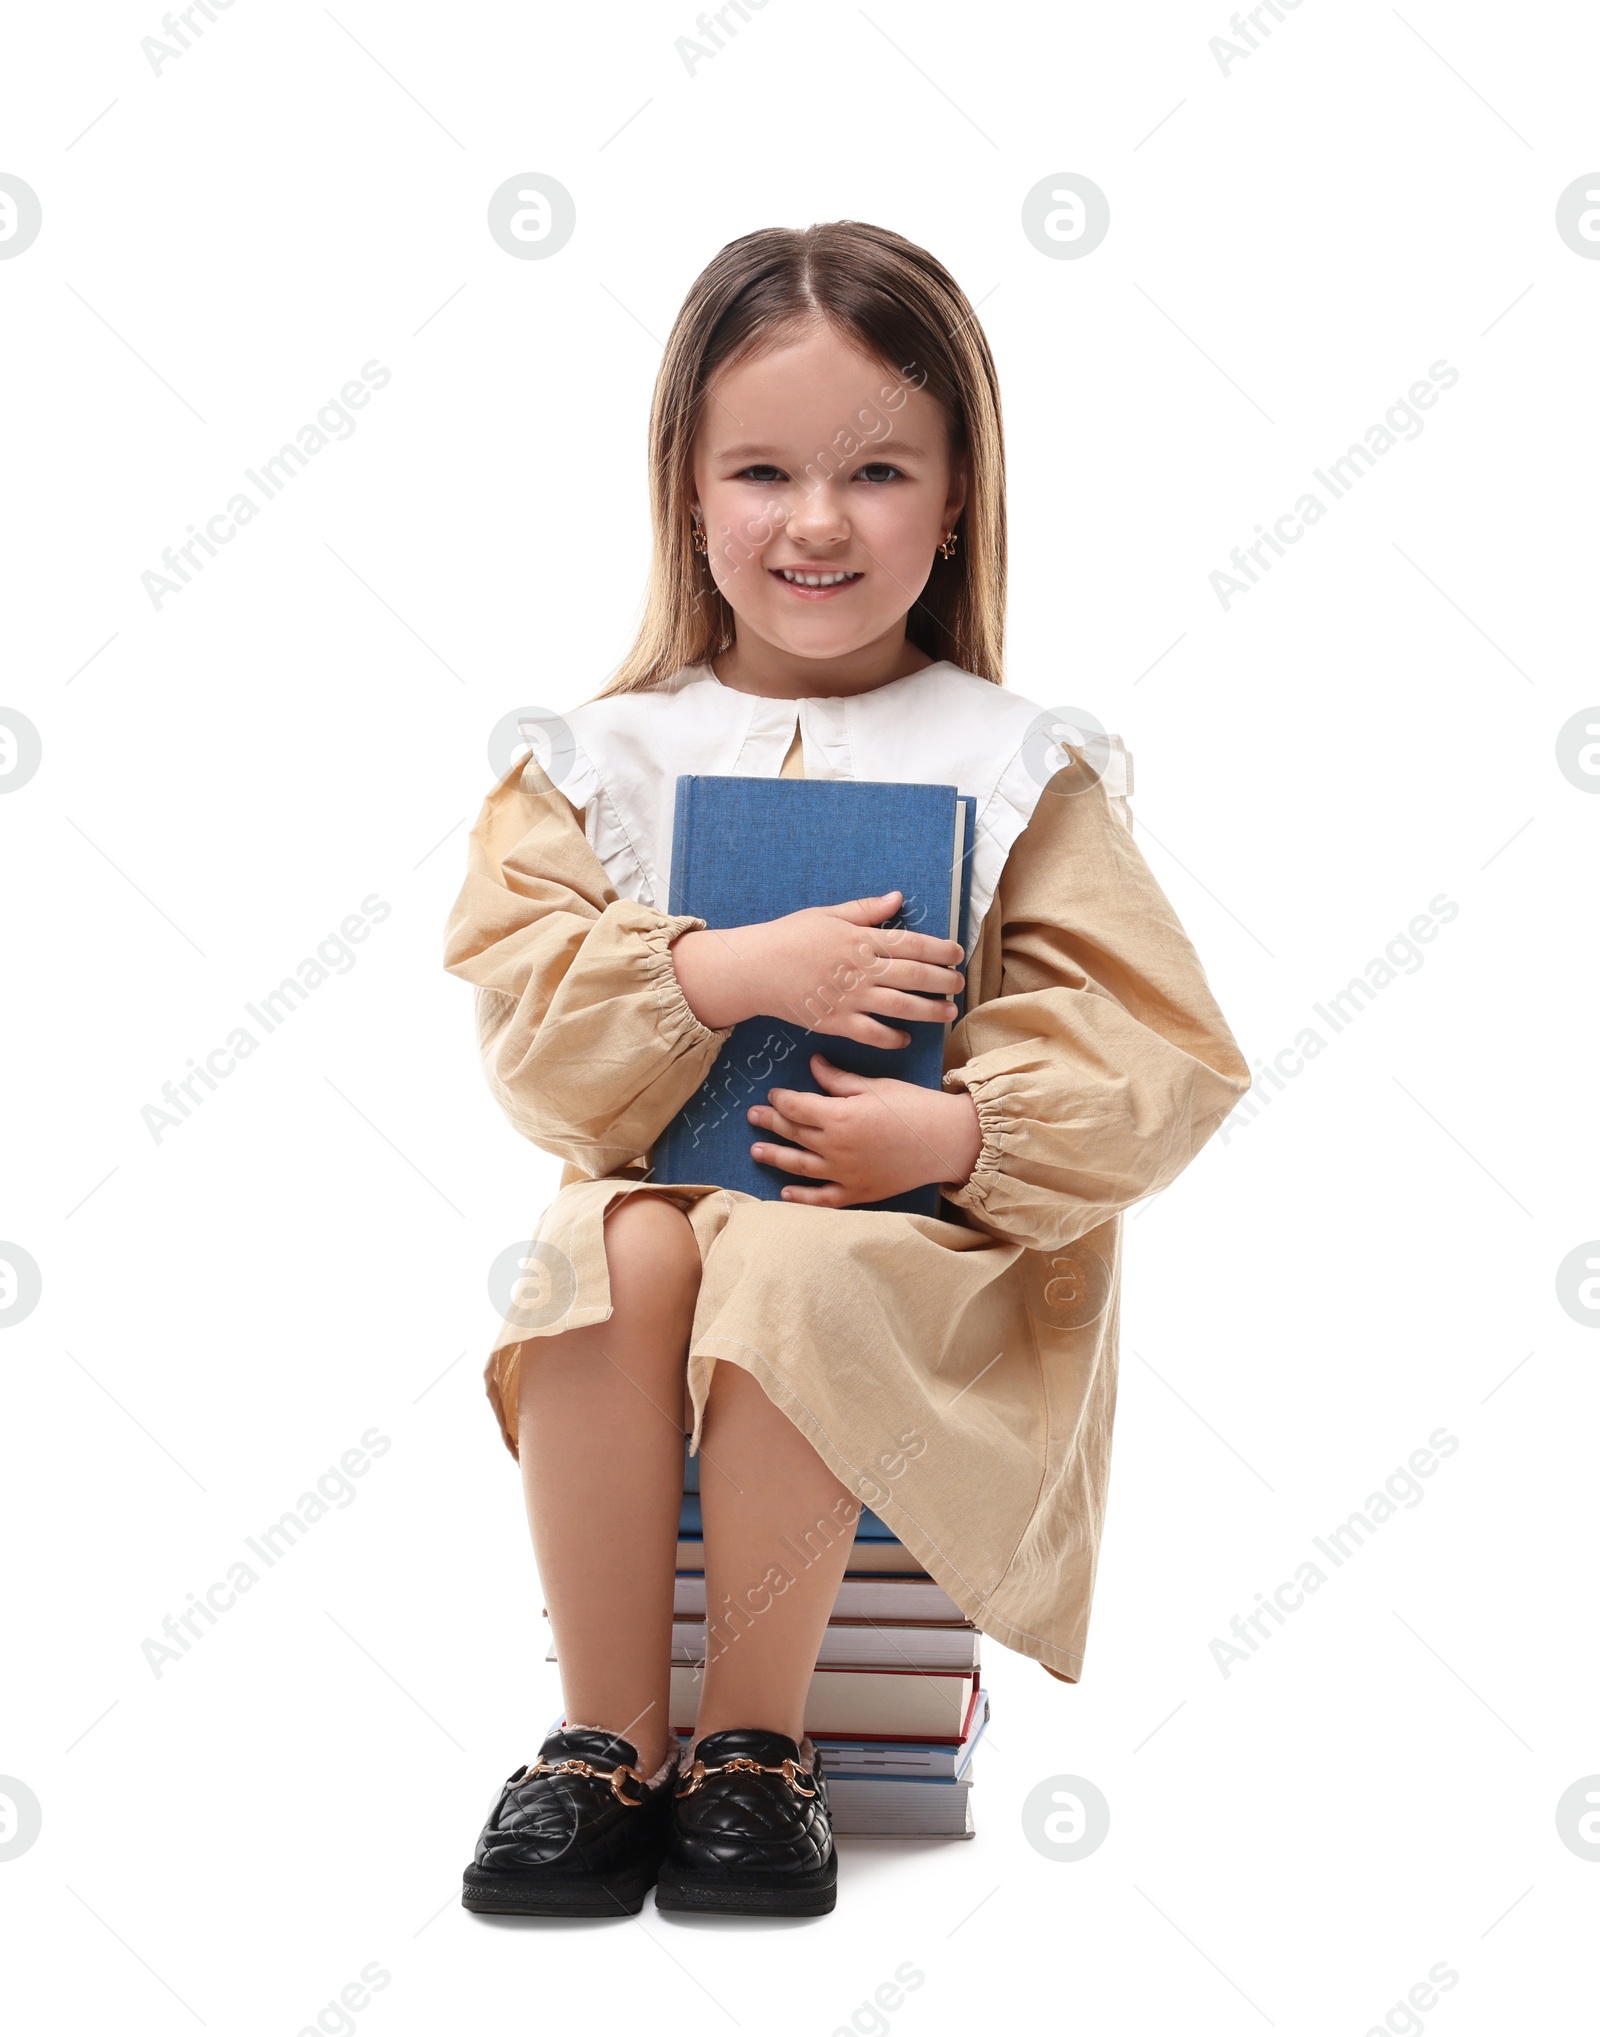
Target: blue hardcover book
(749, 849)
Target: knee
(651, 1252)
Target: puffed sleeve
(588, 1042)
(1098, 1059)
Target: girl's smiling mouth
(815, 584)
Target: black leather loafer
(751, 1831)
(577, 1833)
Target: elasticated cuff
(993, 1124)
(677, 1016)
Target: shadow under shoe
(577, 1833)
(752, 1834)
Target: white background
(224, 779)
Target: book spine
(678, 881)
(663, 1153)
(966, 934)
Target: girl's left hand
(869, 1137)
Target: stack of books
(895, 1703)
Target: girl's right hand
(828, 968)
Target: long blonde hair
(897, 303)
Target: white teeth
(816, 579)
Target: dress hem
(1065, 1664)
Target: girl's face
(816, 462)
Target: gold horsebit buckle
(791, 1771)
(614, 1776)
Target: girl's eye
(879, 471)
(761, 473)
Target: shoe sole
(734, 1895)
(616, 1895)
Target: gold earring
(697, 536)
(948, 549)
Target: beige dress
(957, 1373)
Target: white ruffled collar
(939, 726)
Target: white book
(888, 1704)
(916, 1599)
(900, 1810)
(863, 1645)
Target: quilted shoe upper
(570, 1823)
(739, 1820)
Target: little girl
(826, 600)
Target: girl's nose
(816, 518)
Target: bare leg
(601, 1443)
(778, 1528)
